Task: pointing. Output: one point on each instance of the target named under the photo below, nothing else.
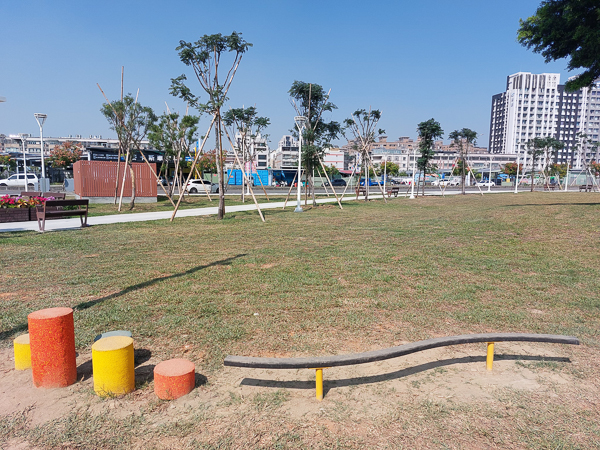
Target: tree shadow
(145, 284)
(84, 305)
(403, 373)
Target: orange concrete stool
(22, 352)
(52, 342)
(113, 366)
(174, 378)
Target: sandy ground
(363, 394)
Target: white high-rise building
(539, 106)
(529, 108)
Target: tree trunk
(532, 173)
(221, 211)
(132, 174)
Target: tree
(463, 139)
(362, 126)
(131, 121)
(208, 162)
(311, 101)
(542, 148)
(9, 164)
(174, 137)
(566, 29)
(248, 125)
(332, 171)
(204, 56)
(65, 155)
(428, 131)
(511, 169)
(390, 168)
(559, 170)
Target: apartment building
(537, 105)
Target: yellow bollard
(112, 363)
(490, 355)
(22, 352)
(319, 383)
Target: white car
(485, 183)
(196, 187)
(19, 180)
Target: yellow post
(113, 366)
(490, 355)
(22, 352)
(319, 383)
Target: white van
(19, 180)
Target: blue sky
(413, 60)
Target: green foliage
(332, 171)
(392, 169)
(428, 131)
(311, 101)
(130, 120)
(65, 155)
(463, 139)
(362, 127)
(9, 164)
(558, 169)
(173, 136)
(204, 56)
(566, 29)
(512, 169)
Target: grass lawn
(327, 281)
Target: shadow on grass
(330, 384)
(145, 284)
(81, 306)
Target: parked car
(162, 180)
(195, 186)
(485, 183)
(335, 182)
(19, 180)
(372, 182)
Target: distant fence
(97, 179)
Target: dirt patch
(361, 402)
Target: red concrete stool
(52, 343)
(174, 378)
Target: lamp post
(412, 187)
(490, 176)
(41, 118)
(300, 124)
(517, 177)
(23, 136)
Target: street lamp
(490, 176)
(23, 137)
(41, 118)
(412, 188)
(300, 124)
(517, 178)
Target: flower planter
(17, 214)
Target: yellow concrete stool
(112, 363)
(22, 352)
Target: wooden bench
(549, 187)
(586, 187)
(393, 190)
(361, 190)
(54, 208)
(322, 362)
(56, 195)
